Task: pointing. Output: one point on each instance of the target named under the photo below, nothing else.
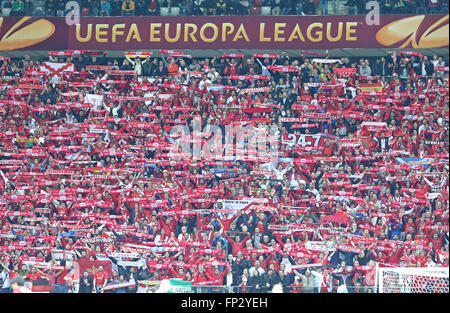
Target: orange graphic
(17, 38)
(404, 33)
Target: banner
(367, 87)
(56, 69)
(345, 72)
(95, 100)
(416, 162)
(92, 266)
(303, 140)
(232, 206)
(131, 263)
(318, 246)
(224, 32)
(120, 285)
(41, 286)
(179, 286)
(336, 218)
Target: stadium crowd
(215, 7)
(361, 178)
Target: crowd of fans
(86, 174)
(216, 7)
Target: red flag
(92, 266)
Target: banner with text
(224, 32)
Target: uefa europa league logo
(404, 33)
(21, 36)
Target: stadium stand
(98, 192)
(370, 165)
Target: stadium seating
(265, 10)
(351, 197)
(175, 11)
(85, 11)
(165, 11)
(255, 10)
(6, 11)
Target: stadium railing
(293, 289)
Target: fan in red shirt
(33, 275)
(100, 279)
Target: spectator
(307, 281)
(197, 7)
(72, 280)
(421, 6)
(17, 8)
(153, 8)
(4, 278)
(128, 8)
(255, 283)
(92, 5)
(18, 285)
(352, 4)
(105, 8)
(60, 283)
(172, 67)
(323, 7)
(51, 7)
(137, 65)
(86, 283)
(323, 281)
(256, 268)
(386, 6)
(243, 7)
(269, 280)
(221, 7)
(147, 66)
(61, 8)
(100, 279)
(426, 67)
(116, 7)
(210, 7)
(122, 280)
(140, 6)
(287, 7)
(276, 7)
(185, 7)
(365, 70)
(6, 7)
(433, 6)
(399, 6)
(28, 8)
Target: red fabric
(341, 219)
